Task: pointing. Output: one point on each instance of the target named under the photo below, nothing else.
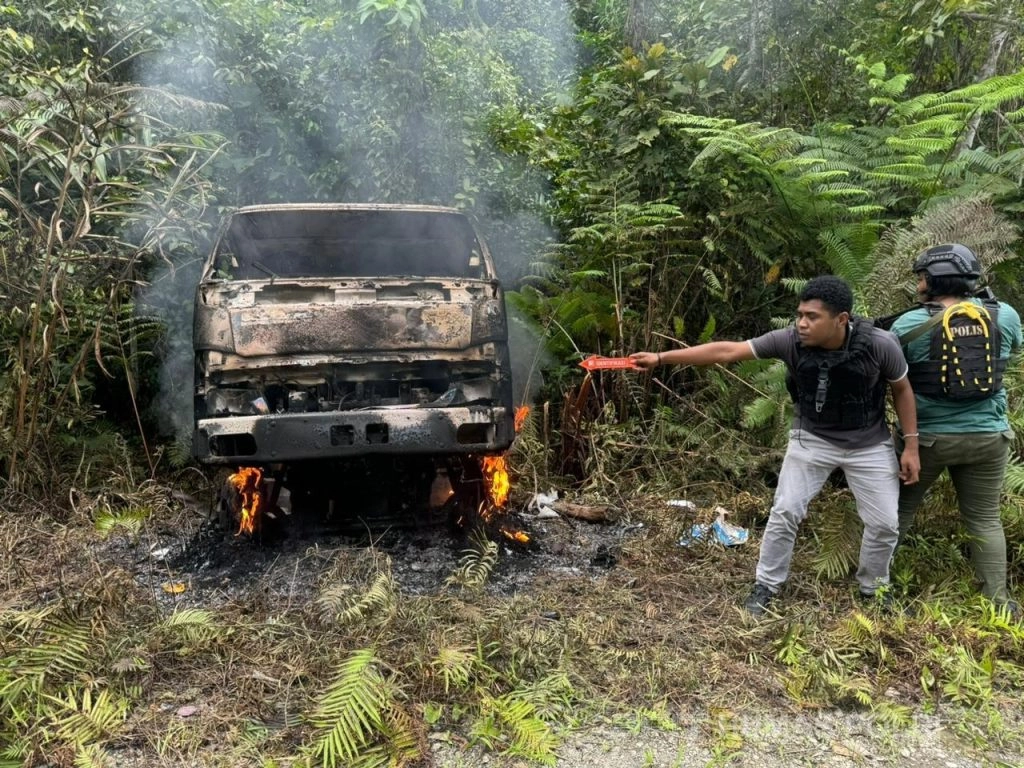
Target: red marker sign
(598, 363)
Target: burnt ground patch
(214, 564)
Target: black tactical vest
(833, 387)
(963, 359)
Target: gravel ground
(829, 739)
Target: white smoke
(431, 134)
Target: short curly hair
(833, 292)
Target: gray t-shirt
(889, 363)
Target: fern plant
(340, 603)
(837, 530)
(455, 666)
(188, 628)
(49, 695)
(974, 221)
(358, 720)
(476, 564)
(510, 722)
(82, 717)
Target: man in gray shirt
(837, 372)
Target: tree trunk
(995, 49)
(752, 74)
(636, 31)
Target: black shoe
(1012, 608)
(760, 598)
(881, 599)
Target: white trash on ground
(723, 531)
(542, 503)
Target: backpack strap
(920, 330)
(885, 322)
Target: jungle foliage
(648, 173)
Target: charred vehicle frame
(345, 331)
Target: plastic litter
(723, 531)
(542, 503)
(684, 503)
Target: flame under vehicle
(344, 332)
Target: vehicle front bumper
(275, 438)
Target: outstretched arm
(702, 354)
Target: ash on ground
(197, 563)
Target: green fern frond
(589, 274)
(92, 756)
(840, 191)
(476, 564)
(853, 687)
(838, 531)
(1015, 477)
(348, 714)
(860, 627)
(552, 697)
(189, 617)
(711, 281)
(891, 714)
(761, 412)
(342, 605)
(83, 720)
(130, 520)
(47, 647)
(512, 720)
(696, 122)
(921, 146)
(403, 742)
(455, 667)
(965, 679)
(190, 626)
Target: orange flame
(521, 536)
(496, 479)
(521, 413)
(497, 485)
(247, 481)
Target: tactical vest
(963, 358)
(833, 387)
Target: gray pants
(977, 465)
(872, 474)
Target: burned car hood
(254, 319)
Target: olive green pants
(977, 465)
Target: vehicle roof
(246, 209)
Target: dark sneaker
(760, 598)
(881, 599)
(1012, 608)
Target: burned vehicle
(328, 332)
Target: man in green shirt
(956, 360)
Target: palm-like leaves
(343, 604)
(972, 221)
(476, 563)
(350, 713)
